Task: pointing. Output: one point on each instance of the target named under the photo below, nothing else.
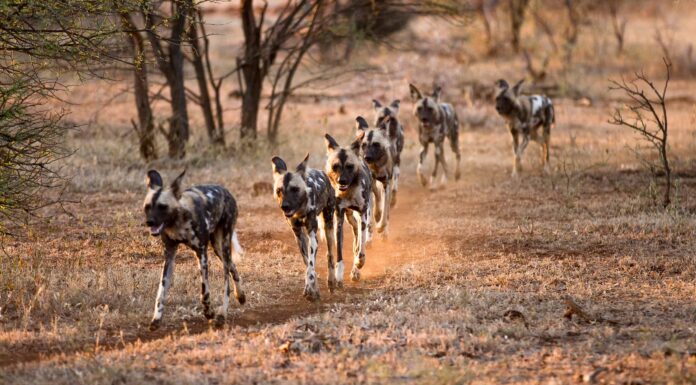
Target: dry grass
(469, 288)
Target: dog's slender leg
(339, 214)
(516, 166)
(395, 185)
(438, 148)
(421, 160)
(545, 147)
(384, 219)
(165, 283)
(327, 216)
(378, 197)
(440, 154)
(369, 233)
(301, 239)
(350, 216)
(359, 258)
(522, 146)
(310, 290)
(454, 144)
(202, 254)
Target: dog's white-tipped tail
(237, 251)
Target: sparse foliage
(39, 41)
(649, 119)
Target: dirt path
(383, 256)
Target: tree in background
(274, 51)
(39, 41)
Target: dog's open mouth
(343, 187)
(289, 213)
(156, 230)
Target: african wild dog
(524, 115)
(305, 196)
(435, 122)
(379, 152)
(196, 216)
(350, 178)
(388, 116)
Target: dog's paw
(311, 293)
(355, 274)
(393, 199)
(331, 282)
(209, 314)
(423, 180)
(457, 175)
(220, 320)
(359, 262)
(155, 324)
(241, 297)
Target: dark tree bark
(170, 60)
(517, 10)
(287, 70)
(145, 127)
(252, 69)
(215, 135)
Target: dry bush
(649, 120)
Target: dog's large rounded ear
(361, 124)
(376, 104)
(153, 180)
(355, 146)
(516, 89)
(436, 93)
(395, 106)
(302, 167)
(279, 166)
(331, 143)
(176, 185)
(415, 94)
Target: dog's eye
(375, 145)
(279, 191)
(148, 206)
(336, 167)
(161, 207)
(295, 189)
(349, 167)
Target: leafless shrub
(649, 119)
(31, 141)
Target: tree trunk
(517, 9)
(179, 129)
(145, 127)
(252, 72)
(214, 135)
